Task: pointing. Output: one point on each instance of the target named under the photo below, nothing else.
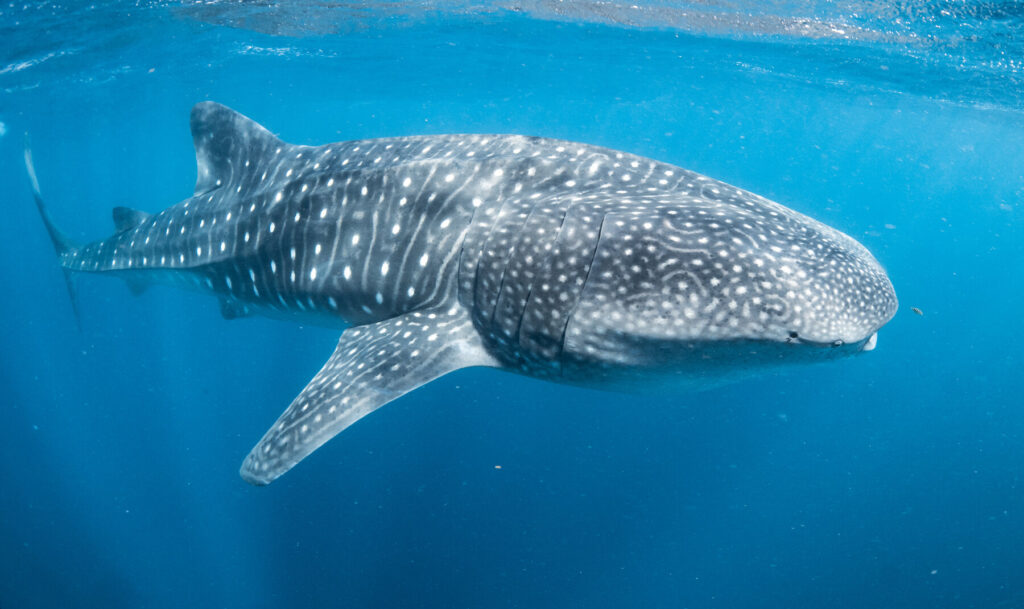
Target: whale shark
(553, 259)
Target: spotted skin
(554, 259)
(359, 377)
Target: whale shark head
(821, 289)
(727, 282)
(816, 286)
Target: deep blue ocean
(894, 479)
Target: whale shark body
(553, 259)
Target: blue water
(891, 480)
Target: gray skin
(554, 259)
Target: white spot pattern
(573, 261)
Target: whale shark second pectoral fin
(372, 365)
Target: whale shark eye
(794, 334)
(837, 343)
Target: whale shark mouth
(870, 343)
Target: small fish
(916, 310)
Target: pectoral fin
(372, 365)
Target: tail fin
(60, 242)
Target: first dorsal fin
(225, 141)
(126, 218)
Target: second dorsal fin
(126, 218)
(225, 142)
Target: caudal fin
(60, 242)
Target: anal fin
(372, 365)
(233, 309)
(136, 285)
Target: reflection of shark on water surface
(554, 259)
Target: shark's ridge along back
(553, 259)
